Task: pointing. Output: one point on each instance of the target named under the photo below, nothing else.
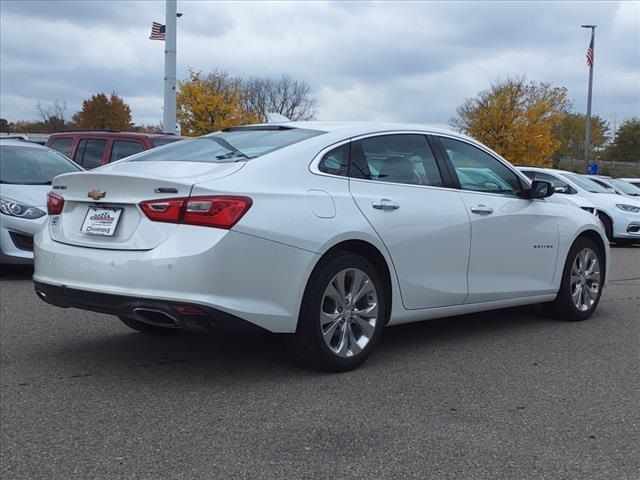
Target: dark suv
(90, 148)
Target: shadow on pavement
(16, 272)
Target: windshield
(159, 142)
(32, 166)
(228, 146)
(586, 183)
(626, 187)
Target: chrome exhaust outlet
(157, 318)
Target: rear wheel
(582, 279)
(147, 328)
(342, 315)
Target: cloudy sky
(395, 61)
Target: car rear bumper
(256, 280)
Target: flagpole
(587, 125)
(169, 114)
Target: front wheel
(342, 315)
(582, 279)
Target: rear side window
(479, 171)
(400, 158)
(233, 145)
(89, 152)
(124, 148)
(63, 145)
(336, 162)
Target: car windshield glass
(626, 187)
(228, 146)
(584, 182)
(32, 166)
(158, 142)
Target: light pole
(169, 114)
(587, 124)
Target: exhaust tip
(156, 318)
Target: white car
(618, 186)
(619, 214)
(327, 231)
(26, 171)
(633, 181)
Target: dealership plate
(101, 221)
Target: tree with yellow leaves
(209, 103)
(516, 119)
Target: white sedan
(327, 231)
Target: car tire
(337, 332)
(147, 328)
(608, 226)
(582, 280)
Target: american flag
(590, 53)
(157, 31)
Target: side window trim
(450, 179)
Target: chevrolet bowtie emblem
(96, 194)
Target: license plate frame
(101, 221)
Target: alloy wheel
(585, 279)
(349, 312)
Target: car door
(397, 184)
(514, 240)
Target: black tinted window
(336, 162)
(123, 148)
(89, 152)
(228, 146)
(63, 145)
(479, 171)
(23, 165)
(402, 158)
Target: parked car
(26, 171)
(325, 231)
(93, 148)
(633, 181)
(620, 215)
(616, 185)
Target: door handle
(482, 210)
(385, 204)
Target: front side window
(478, 171)
(397, 158)
(232, 145)
(89, 152)
(32, 166)
(124, 148)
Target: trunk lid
(120, 187)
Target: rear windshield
(32, 166)
(228, 146)
(158, 142)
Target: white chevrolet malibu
(327, 231)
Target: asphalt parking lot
(508, 394)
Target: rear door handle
(385, 204)
(482, 210)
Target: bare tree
(53, 115)
(286, 96)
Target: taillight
(216, 211)
(55, 203)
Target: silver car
(26, 172)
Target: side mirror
(541, 189)
(560, 190)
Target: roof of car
(362, 128)
(113, 133)
(21, 143)
(544, 169)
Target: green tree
(4, 125)
(516, 119)
(102, 112)
(626, 143)
(570, 133)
